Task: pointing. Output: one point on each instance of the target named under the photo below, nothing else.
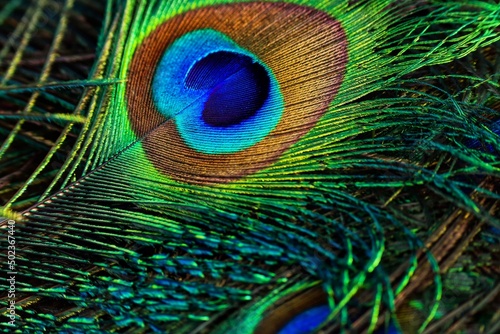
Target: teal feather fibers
(218, 166)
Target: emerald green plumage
(360, 168)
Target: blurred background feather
(356, 188)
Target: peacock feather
(224, 166)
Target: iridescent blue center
(307, 321)
(238, 87)
(222, 98)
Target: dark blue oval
(307, 321)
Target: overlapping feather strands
(251, 167)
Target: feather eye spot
(307, 321)
(299, 312)
(215, 94)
